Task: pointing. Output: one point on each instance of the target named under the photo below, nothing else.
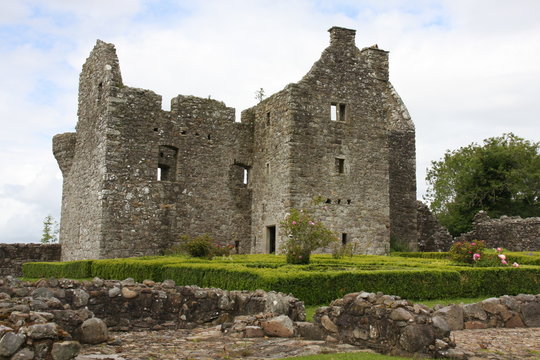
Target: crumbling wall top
(341, 36)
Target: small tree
(50, 230)
(304, 235)
(260, 95)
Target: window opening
(237, 246)
(342, 113)
(209, 137)
(340, 166)
(268, 119)
(183, 132)
(339, 201)
(245, 178)
(271, 239)
(328, 201)
(156, 129)
(167, 163)
(349, 201)
(333, 112)
(343, 238)
(163, 173)
(100, 91)
(267, 168)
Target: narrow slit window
(268, 119)
(340, 166)
(158, 174)
(245, 177)
(333, 112)
(342, 112)
(343, 238)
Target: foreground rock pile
(50, 318)
(36, 324)
(392, 325)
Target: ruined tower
(339, 142)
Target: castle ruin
(137, 177)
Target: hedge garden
(409, 275)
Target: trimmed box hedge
(69, 269)
(320, 282)
(522, 257)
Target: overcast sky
(466, 70)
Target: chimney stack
(341, 36)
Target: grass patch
(349, 356)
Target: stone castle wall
(511, 232)
(432, 236)
(12, 256)
(137, 177)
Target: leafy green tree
(304, 235)
(50, 230)
(502, 177)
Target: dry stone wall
(510, 232)
(137, 177)
(396, 326)
(49, 317)
(432, 236)
(12, 256)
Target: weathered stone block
(281, 326)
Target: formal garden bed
(431, 276)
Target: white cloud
(466, 70)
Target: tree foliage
(502, 177)
(50, 230)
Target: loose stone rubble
(49, 319)
(392, 325)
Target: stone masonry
(13, 256)
(510, 232)
(340, 142)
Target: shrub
(304, 236)
(200, 246)
(341, 250)
(73, 269)
(467, 252)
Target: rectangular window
(246, 176)
(343, 238)
(271, 239)
(167, 158)
(338, 112)
(163, 173)
(268, 119)
(333, 112)
(340, 166)
(342, 113)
